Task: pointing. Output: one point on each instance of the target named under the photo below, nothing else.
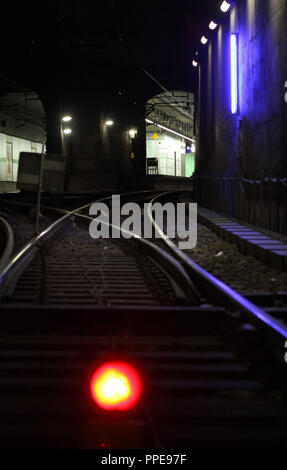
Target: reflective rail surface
(8, 233)
(215, 288)
(201, 390)
(176, 274)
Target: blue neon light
(234, 73)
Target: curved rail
(22, 259)
(217, 290)
(12, 271)
(173, 268)
(9, 245)
(181, 282)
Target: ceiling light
(194, 63)
(204, 40)
(212, 25)
(132, 133)
(225, 6)
(109, 123)
(67, 131)
(67, 118)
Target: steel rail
(11, 273)
(182, 284)
(173, 269)
(9, 245)
(216, 289)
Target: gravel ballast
(224, 260)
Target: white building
(170, 133)
(169, 150)
(22, 129)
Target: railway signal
(116, 386)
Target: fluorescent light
(194, 63)
(169, 130)
(212, 25)
(204, 40)
(109, 123)
(225, 6)
(67, 131)
(234, 72)
(67, 118)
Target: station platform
(99, 182)
(8, 187)
(268, 247)
(158, 183)
(83, 184)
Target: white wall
(19, 145)
(164, 149)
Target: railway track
(214, 361)
(6, 242)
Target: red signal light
(116, 386)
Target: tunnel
(143, 230)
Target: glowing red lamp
(116, 386)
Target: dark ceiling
(83, 35)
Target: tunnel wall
(242, 160)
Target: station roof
(24, 106)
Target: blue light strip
(234, 73)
